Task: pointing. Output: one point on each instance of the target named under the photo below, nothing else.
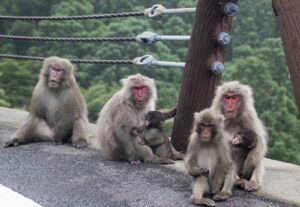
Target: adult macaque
(57, 111)
(208, 159)
(235, 102)
(124, 111)
(152, 134)
(241, 144)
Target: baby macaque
(152, 134)
(241, 144)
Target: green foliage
(2, 101)
(256, 57)
(96, 96)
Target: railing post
(199, 82)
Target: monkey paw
(199, 172)
(240, 183)
(169, 161)
(140, 141)
(11, 143)
(203, 201)
(222, 196)
(81, 143)
(135, 162)
(251, 186)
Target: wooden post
(288, 12)
(199, 83)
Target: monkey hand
(240, 183)
(196, 171)
(251, 186)
(12, 143)
(140, 141)
(221, 196)
(134, 160)
(81, 143)
(203, 201)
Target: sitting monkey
(208, 159)
(152, 134)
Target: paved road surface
(62, 176)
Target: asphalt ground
(62, 176)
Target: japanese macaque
(58, 110)
(208, 159)
(152, 134)
(235, 101)
(124, 111)
(241, 144)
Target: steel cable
(77, 61)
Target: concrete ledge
(281, 180)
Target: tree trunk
(288, 12)
(199, 83)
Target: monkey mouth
(204, 139)
(140, 102)
(53, 84)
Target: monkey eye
(231, 96)
(206, 125)
(139, 87)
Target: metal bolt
(224, 38)
(217, 67)
(231, 9)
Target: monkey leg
(33, 130)
(79, 134)
(146, 154)
(163, 150)
(175, 154)
(200, 186)
(256, 179)
(227, 187)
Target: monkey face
(205, 131)
(140, 95)
(246, 139)
(237, 140)
(231, 102)
(55, 77)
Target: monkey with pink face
(58, 110)
(126, 110)
(235, 101)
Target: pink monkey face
(140, 93)
(236, 140)
(55, 77)
(230, 104)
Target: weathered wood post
(288, 12)
(204, 63)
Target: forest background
(255, 57)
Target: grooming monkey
(208, 159)
(58, 110)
